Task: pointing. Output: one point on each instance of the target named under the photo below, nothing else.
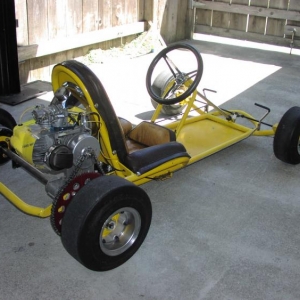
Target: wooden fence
(269, 21)
(50, 31)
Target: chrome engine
(57, 141)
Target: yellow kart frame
(201, 130)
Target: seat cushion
(133, 146)
(144, 160)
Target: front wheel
(287, 137)
(160, 85)
(106, 223)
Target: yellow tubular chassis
(202, 135)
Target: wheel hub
(180, 79)
(120, 231)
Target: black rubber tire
(159, 85)
(6, 119)
(286, 140)
(88, 213)
(7, 123)
(5, 134)
(157, 97)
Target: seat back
(103, 105)
(151, 134)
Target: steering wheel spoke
(191, 74)
(171, 65)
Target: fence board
(74, 17)
(105, 13)
(220, 19)
(149, 10)
(161, 12)
(37, 21)
(141, 9)
(243, 2)
(181, 24)
(40, 68)
(57, 19)
(170, 19)
(24, 72)
(257, 24)
(276, 26)
(239, 21)
(294, 5)
(203, 17)
(131, 11)
(281, 4)
(90, 15)
(118, 14)
(54, 58)
(22, 28)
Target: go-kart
(92, 162)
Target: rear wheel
(106, 223)
(7, 123)
(6, 119)
(287, 137)
(5, 135)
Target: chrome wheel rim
(120, 231)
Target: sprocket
(61, 202)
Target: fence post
(9, 67)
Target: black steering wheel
(183, 74)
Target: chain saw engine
(57, 139)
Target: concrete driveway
(223, 228)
